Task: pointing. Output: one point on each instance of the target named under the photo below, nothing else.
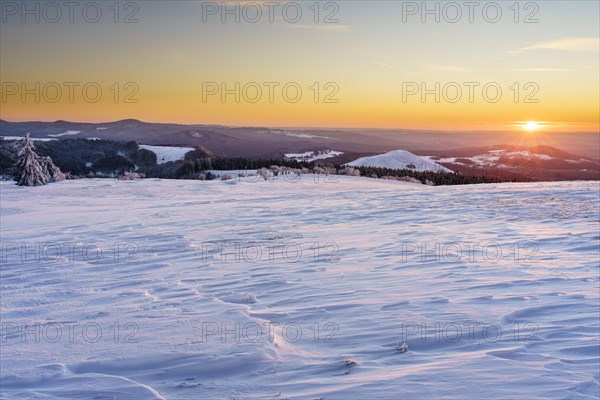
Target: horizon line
(300, 127)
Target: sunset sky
(371, 57)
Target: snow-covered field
(302, 290)
(167, 153)
(399, 159)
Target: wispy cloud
(566, 44)
(386, 65)
(392, 66)
(541, 69)
(414, 73)
(449, 68)
(318, 27)
(444, 68)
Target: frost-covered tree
(349, 171)
(32, 170)
(53, 173)
(264, 173)
(29, 172)
(275, 169)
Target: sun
(531, 126)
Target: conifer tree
(53, 173)
(32, 170)
(29, 172)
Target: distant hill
(261, 142)
(252, 142)
(539, 163)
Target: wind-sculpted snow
(310, 289)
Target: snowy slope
(313, 155)
(167, 153)
(67, 133)
(21, 138)
(276, 289)
(399, 159)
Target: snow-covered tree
(29, 172)
(52, 171)
(275, 169)
(32, 170)
(349, 171)
(264, 173)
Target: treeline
(428, 177)
(231, 164)
(320, 167)
(200, 168)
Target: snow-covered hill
(299, 289)
(399, 159)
